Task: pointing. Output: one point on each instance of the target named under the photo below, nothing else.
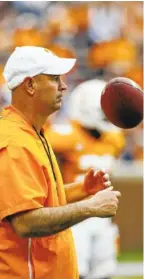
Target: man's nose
(62, 86)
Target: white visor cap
(29, 61)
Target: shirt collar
(15, 115)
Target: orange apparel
(77, 150)
(27, 182)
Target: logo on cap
(48, 50)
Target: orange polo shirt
(27, 182)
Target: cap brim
(60, 66)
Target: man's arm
(48, 221)
(93, 182)
(75, 192)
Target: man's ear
(29, 85)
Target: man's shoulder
(11, 133)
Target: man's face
(48, 93)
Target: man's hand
(95, 181)
(104, 203)
(47, 221)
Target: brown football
(122, 102)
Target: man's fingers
(107, 184)
(109, 188)
(106, 176)
(102, 173)
(96, 172)
(117, 200)
(90, 172)
(99, 172)
(117, 193)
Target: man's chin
(58, 105)
(53, 110)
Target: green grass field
(131, 277)
(136, 256)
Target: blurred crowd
(105, 37)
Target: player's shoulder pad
(62, 129)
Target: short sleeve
(22, 181)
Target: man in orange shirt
(35, 214)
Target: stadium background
(105, 46)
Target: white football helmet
(84, 106)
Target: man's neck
(37, 120)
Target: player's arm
(48, 221)
(94, 181)
(75, 192)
